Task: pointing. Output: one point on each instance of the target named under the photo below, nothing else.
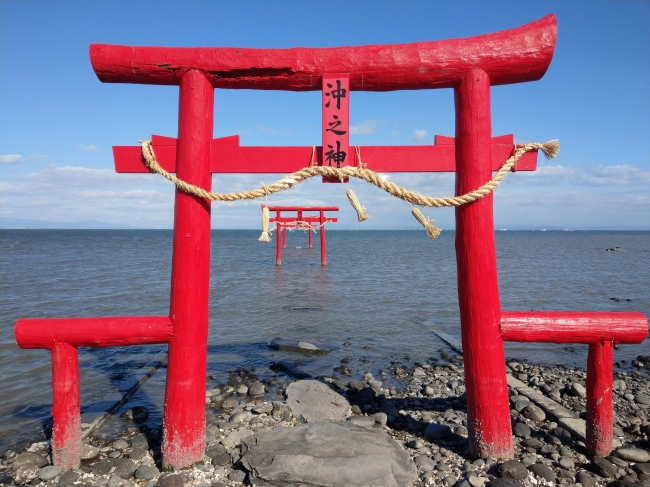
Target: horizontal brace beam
(573, 327)
(302, 208)
(113, 331)
(285, 160)
(509, 56)
(310, 219)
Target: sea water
(381, 291)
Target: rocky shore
(407, 425)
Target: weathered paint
(509, 56)
(66, 416)
(184, 415)
(478, 286)
(600, 409)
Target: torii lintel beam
(227, 156)
(509, 56)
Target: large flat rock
(327, 454)
(303, 346)
(312, 401)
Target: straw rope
(550, 150)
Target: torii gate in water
(469, 66)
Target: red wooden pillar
(323, 250)
(284, 238)
(66, 430)
(311, 241)
(600, 420)
(478, 287)
(184, 417)
(278, 249)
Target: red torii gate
(300, 222)
(470, 66)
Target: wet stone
(256, 389)
(542, 471)
(263, 408)
(633, 455)
(521, 430)
(49, 472)
(585, 479)
(146, 472)
(504, 482)
(26, 473)
(513, 469)
(29, 458)
(68, 478)
(124, 468)
(603, 467)
(137, 414)
(229, 403)
(534, 413)
(120, 445)
(137, 454)
(170, 480)
(103, 467)
(437, 431)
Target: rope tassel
(551, 148)
(432, 231)
(266, 233)
(354, 201)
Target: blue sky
(58, 122)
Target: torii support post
(300, 222)
(478, 287)
(323, 248)
(311, 240)
(184, 415)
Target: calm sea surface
(380, 291)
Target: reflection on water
(379, 292)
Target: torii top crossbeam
(510, 56)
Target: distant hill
(24, 223)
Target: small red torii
(469, 66)
(300, 222)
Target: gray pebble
(29, 458)
(566, 462)
(140, 441)
(49, 472)
(26, 473)
(513, 469)
(641, 399)
(170, 480)
(237, 476)
(120, 445)
(534, 413)
(521, 430)
(542, 471)
(145, 472)
(256, 389)
(633, 454)
(124, 468)
(137, 454)
(437, 431)
(102, 467)
(68, 478)
(604, 467)
(424, 463)
(448, 481)
(504, 482)
(585, 479)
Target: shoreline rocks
(419, 408)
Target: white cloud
(87, 148)
(419, 135)
(366, 128)
(599, 176)
(267, 130)
(9, 158)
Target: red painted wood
(113, 331)
(311, 239)
(600, 409)
(573, 327)
(228, 141)
(308, 219)
(66, 428)
(184, 416)
(323, 248)
(249, 160)
(284, 238)
(302, 208)
(478, 287)
(278, 250)
(510, 56)
(335, 105)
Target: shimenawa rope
(550, 150)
